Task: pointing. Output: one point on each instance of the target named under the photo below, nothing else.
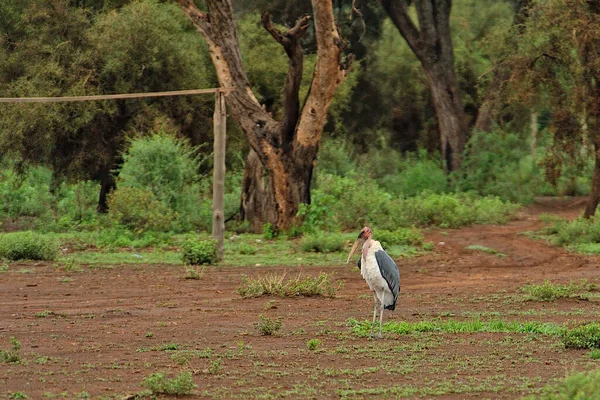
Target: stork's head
(365, 234)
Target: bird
(379, 271)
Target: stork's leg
(374, 312)
(381, 313)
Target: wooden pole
(218, 206)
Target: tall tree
(287, 147)
(431, 42)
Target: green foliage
(27, 246)
(138, 210)
(18, 395)
(246, 249)
(117, 236)
(269, 232)
(313, 344)
(318, 216)
(401, 236)
(594, 354)
(27, 194)
(198, 252)
(158, 384)
(579, 386)
(498, 164)
(551, 291)
(193, 272)
(323, 243)
(13, 354)
(582, 337)
(168, 168)
(267, 326)
(278, 285)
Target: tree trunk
(107, 185)
(431, 42)
(594, 198)
(258, 197)
(287, 148)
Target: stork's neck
(366, 246)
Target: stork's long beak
(354, 248)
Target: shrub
(267, 326)
(27, 246)
(158, 384)
(318, 216)
(13, 355)
(401, 236)
(198, 252)
(582, 337)
(138, 210)
(582, 385)
(313, 344)
(246, 249)
(551, 291)
(323, 243)
(269, 232)
(277, 285)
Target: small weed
(477, 247)
(158, 384)
(64, 279)
(594, 354)
(169, 347)
(193, 272)
(44, 314)
(313, 344)
(267, 326)
(246, 249)
(149, 334)
(12, 355)
(18, 395)
(215, 367)
(277, 285)
(3, 267)
(270, 305)
(269, 232)
(551, 291)
(70, 265)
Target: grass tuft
(549, 291)
(278, 285)
(477, 247)
(158, 384)
(267, 326)
(13, 355)
(27, 246)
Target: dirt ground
(100, 333)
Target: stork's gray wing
(389, 271)
(358, 263)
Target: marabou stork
(380, 272)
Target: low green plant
(13, 354)
(313, 344)
(192, 272)
(582, 337)
(549, 291)
(18, 395)
(594, 354)
(246, 249)
(215, 367)
(278, 285)
(579, 386)
(3, 267)
(322, 243)
(267, 326)
(401, 236)
(27, 246)
(158, 384)
(477, 247)
(269, 232)
(199, 252)
(138, 210)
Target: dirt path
(101, 331)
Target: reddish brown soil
(104, 319)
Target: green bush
(418, 172)
(138, 210)
(313, 344)
(267, 326)
(14, 354)
(198, 252)
(580, 386)
(27, 194)
(323, 243)
(27, 246)
(158, 384)
(401, 236)
(582, 337)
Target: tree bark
(258, 201)
(594, 198)
(107, 185)
(287, 148)
(432, 44)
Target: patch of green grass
(278, 285)
(267, 326)
(582, 337)
(192, 272)
(594, 354)
(158, 384)
(313, 344)
(215, 367)
(3, 267)
(44, 314)
(199, 252)
(549, 291)
(363, 328)
(27, 246)
(13, 355)
(126, 257)
(18, 395)
(322, 243)
(579, 386)
(476, 247)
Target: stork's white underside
(370, 272)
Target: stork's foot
(376, 336)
